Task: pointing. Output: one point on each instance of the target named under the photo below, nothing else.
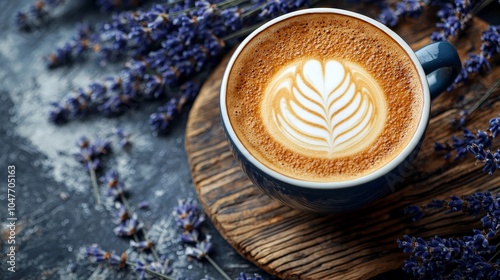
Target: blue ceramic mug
(437, 66)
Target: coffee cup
(325, 109)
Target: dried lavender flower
(201, 250)
(123, 137)
(72, 49)
(36, 14)
(188, 215)
(122, 213)
(141, 245)
(143, 205)
(98, 255)
(129, 227)
(116, 188)
(468, 256)
(168, 48)
(477, 144)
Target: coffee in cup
(324, 97)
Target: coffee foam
(316, 106)
(334, 141)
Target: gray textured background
(52, 230)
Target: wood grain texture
(357, 245)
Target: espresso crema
(324, 97)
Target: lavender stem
(163, 276)
(127, 206)
(485, 96)
(94, 186)
(217, 267)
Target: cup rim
(380, 172)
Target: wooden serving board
(291, 244)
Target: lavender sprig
(90, 155)
(478, 144)
(470, 256)
(36, 14)
(190, 218)
(129, 224)
(454, 18)
(453, 258)
(161, 120)
(190, 43)
(72, 49)
(478, 63)
(98, 255)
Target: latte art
(327, 108)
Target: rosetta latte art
(328, 108)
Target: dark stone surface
(50, 230)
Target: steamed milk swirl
(324, 106)
(324, 97)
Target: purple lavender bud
(59, 113)
(142, 245)
(456, 204)
(450, 26)
(490, 163)
(128, 227)
(154, 86)
(409, 8)
(102, 147)
(156, 266)
(491, 41)
(406, 244)
(201, 250)
(483, 139)
(478, 151)
(477, 63)
(160, 121)
(439, 147)
(415, 212)
(388, 17)
(192, 236)
(232, 18)
(72, 49)
(96, 253)
(438, 36)
(21, 20)
(188, 216)
(114, 260)
(143, 204)
(494, 127)
(98, 91)
(121, 214)
(190, 91)
(123, 137)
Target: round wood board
(291, 244)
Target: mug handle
(441, 64)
